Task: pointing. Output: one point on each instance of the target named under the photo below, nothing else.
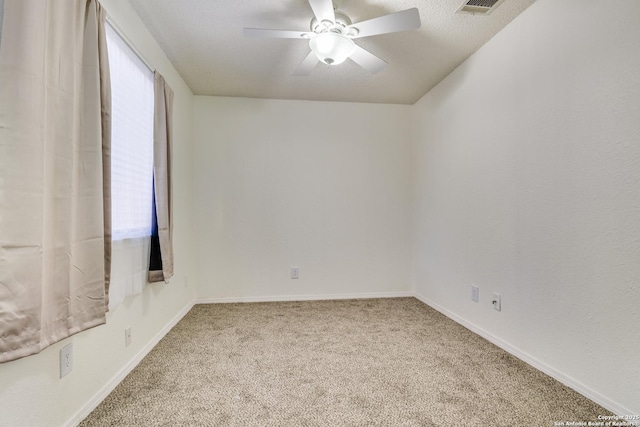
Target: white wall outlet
(127, 336)
(66, 359)
(295, 273)
(496, 301)
(475, 293)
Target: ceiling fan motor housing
(340, 25)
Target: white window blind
(131, 140)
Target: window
(131, 140)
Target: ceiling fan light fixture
(332, 48)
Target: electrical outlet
(127, 336)
(186, 280)
(66, 359)
(496, 301)
(295, 273)
(475, 293)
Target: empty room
(317, 213)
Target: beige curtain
(161, 262)
(54, 144)
(1, 15)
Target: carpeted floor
(383, 362)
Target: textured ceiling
(204, 41)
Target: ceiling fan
(332, 33)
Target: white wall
(31, 392)
(527, 165)
(322, 186)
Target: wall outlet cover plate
(475, 293)
(66, 359)
(496, 301)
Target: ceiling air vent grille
(480, 7)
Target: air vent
(479, 7)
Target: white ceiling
(204, 41)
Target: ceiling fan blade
(367, 60)
(400, 21)
(275, 34)
(323, 10)
(307, 65)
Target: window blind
(132, 95)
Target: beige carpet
(383, 362)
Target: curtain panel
(54, 173)
(1, 16)
(161, 258)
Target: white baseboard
(282, 298)
(111, 385)
(536, 363)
